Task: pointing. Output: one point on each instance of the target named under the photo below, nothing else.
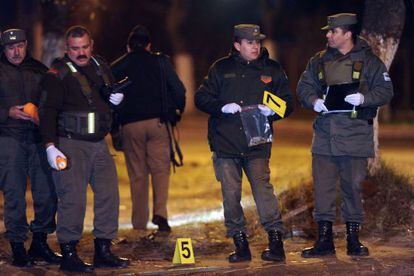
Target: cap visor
(327, 27)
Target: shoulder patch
(386, 76)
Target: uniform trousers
(88, 162)
(20, 160)
(350, 171)
(229, 173)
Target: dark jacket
(62, 92)
(234, 80)
(143, 97)
(18, 86)
(338, 134)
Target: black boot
(275, 252)
(162, 223)
(324, 245)
(354, 247)
(242, 252)
(40, 250)
(103, 256)
(71, 261)
(20, 257)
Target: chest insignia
(265, 79)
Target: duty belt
(84, 125)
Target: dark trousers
(351, 171)
(20, 160)
(229, 172)
(89, 162)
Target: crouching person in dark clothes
(234, 83)
(75, 116)
(22, 154)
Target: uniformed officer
(233, 83)
(22, 155)
(345, 84)
(74, 118)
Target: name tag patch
(229, 75)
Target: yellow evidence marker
(183, 253)
(274, 103)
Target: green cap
(248, 31)
(11, 36)
(340, 19)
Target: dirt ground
(195, 212)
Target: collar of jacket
(259, 62)
(360, 45)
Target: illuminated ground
(195, 212)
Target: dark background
(205, 30)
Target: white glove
(116, 98)
(355, 99)
(52, 154)
(319, 106)
(231, 108)
(265, 110)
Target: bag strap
(176, 155)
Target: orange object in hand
(61, 162)
(31, 109)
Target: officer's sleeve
(282, 90)
(379, 83)
(207, 95)
(308, 85)
(51, 102)
(175, 86)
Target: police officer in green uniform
(345, 84)
(75, 116)
(233, 83)
(22, 155)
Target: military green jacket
(338, 134)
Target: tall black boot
(20, 257)
(354, 247)
(324, 245)
(40, 250)
(275, 252)
(103, 256)
(71, 261)
(242, 252)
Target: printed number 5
(185, 251)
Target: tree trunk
(183, 60)
(382, 26)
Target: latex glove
(319, 106)
(355, 99)
(231, 108)
(52, 154)
(265, 110)
(116, 98)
